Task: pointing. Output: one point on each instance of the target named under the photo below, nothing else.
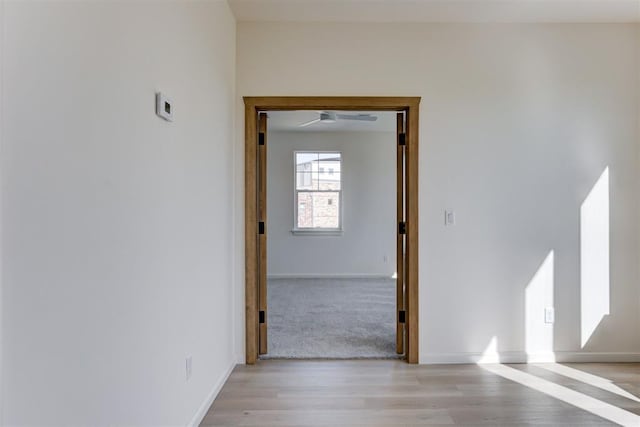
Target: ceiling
(289, 121)
(437, 10)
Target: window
(318, 191)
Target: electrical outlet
(449, 218)
(164, 107)
(188, 367)
(549, 315)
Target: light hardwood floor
(392, 393)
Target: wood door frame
(254, 105)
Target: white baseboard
(328, 276)
(522, 357)
(472, 358)
(596, 357)
(204, 408)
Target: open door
(262, 233)
(401, 232)
(255, 206)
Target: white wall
(369, 203)
(116, 224)
(518, 122)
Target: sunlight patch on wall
(490, 354)
(594, 257)
(538, 298)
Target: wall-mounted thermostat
(164, 107)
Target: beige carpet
(331, 318)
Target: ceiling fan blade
(309, 123)
(361, 117)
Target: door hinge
(261, 138)
(402, 139)
(261, 316)
(261, 227)
(402, 316)
(402, 227)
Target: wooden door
(255, 276)
(262, 233)
(400, 233)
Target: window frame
(318, 231)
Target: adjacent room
(201, 221)
(331, 234)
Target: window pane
(329, 174)
(305, 210)
(318, 209)
(329, 156)
(304, 181)
(304, 161)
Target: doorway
(331, 234)
(256, 232)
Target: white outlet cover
(449, 218)
(549, 315)
(188, 367)
(164, 107)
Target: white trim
(317, 232)
(475, 357)
(204, 408)
(523, 357)
(329, 276)
(601, 357)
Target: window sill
(316, 232)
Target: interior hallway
(393, 393)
